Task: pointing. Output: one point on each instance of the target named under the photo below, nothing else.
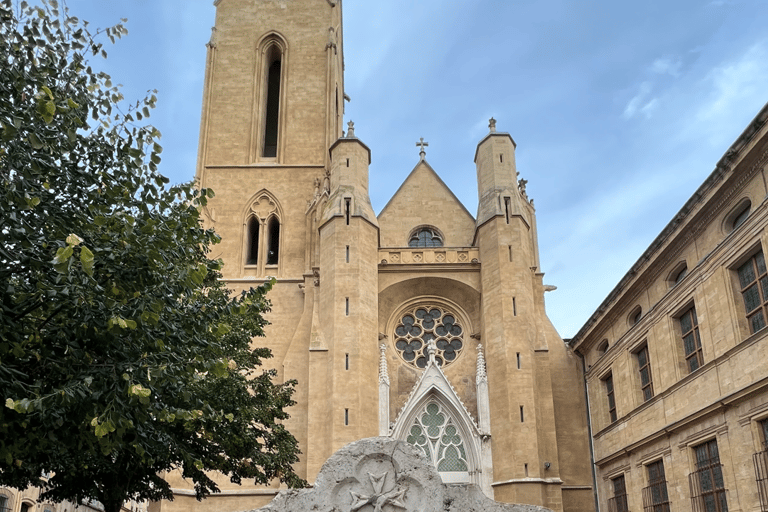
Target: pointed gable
(425, 200)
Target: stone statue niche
(381, 474)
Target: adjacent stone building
(676, 357)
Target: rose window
(421, 325)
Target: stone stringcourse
(381, 474)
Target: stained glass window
(435, 433)
(426, 237)
(422, 324)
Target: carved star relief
(378, 499)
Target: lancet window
(262, 234)
(272, 85)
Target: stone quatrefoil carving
(263, 207)
(379, 498)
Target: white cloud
(667, 65)
(640, 103)
(736, 82)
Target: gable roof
(423, 164)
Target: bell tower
(273, 106)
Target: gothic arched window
(272, 100)
(435, 433)
(420, 325)
(425, 237)
(262, 233)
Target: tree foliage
(122, 356)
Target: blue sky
(619, 110)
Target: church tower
(422, 323)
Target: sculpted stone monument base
(381, 474)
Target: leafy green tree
(122, 356)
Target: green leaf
(86, 260)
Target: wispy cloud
(736, 82)
(641, 104)
(667, 66)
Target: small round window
(422, 324)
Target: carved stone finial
(422, 145)
(350, 130)
(492, 125)
(383, 370)
(481, 374)
(213, 40)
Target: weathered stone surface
(382, 474)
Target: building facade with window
(423, 322)
(676, 357)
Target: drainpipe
(589, 429)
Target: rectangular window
(346, 361)
(707, 485)
(610, 396)
(655, 497)
(522, 416)
(346, 416)
(347, 254)
(619, 501)
(764, 431)
(644, 367)
(518, 360)
(507, 208)
(346, 307)
(753, 279)
(760, 460)
(689, 326)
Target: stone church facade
(363, 301)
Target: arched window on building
(272, 100)
(262, 235)
(434, 431)
(270, 91)
(273, 247)
(425, 236)
(254, 225)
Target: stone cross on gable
(422, 145)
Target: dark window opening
(507, 208)
(347, 254)
(347, 162)
(619, 501)
(689, 326)
(347, 306)
(501, 158)
(518, 360)
(611, 398)
(644, 366)
(522, 416)
(346, 416)
(510, 253)
(346, 208)
(273, 247)
(272, 105)
(655, 497)
(253, 241)
(707, 485)
(753, 278)
(514, 307)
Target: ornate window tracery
(434, 432)
(420, 325)
(425, 237)
(262, 233)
